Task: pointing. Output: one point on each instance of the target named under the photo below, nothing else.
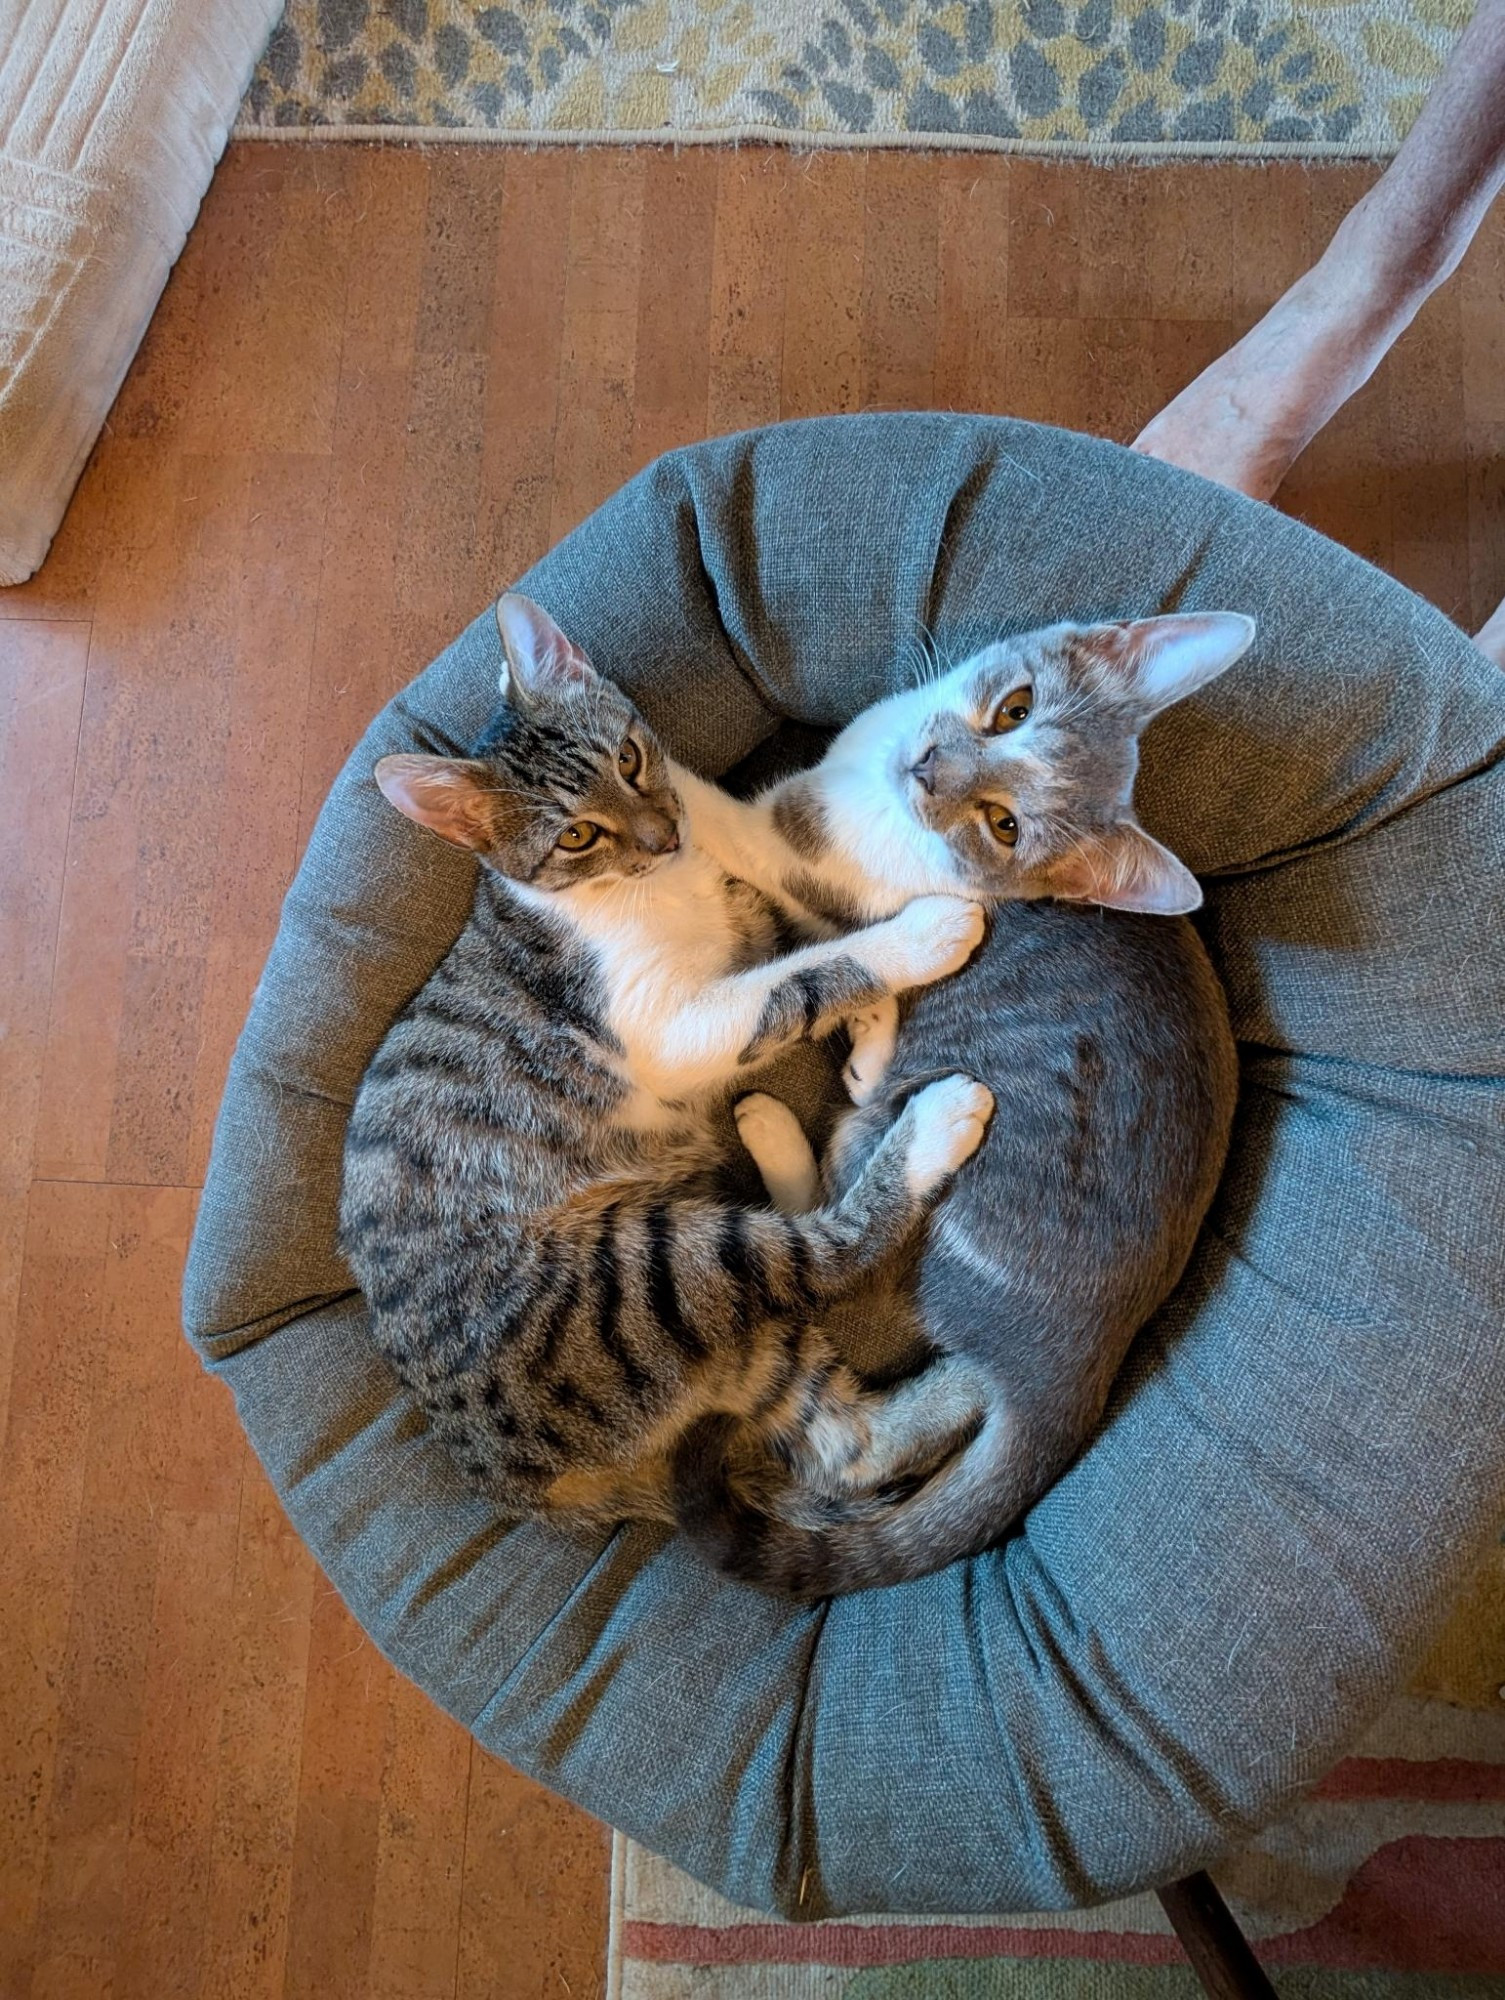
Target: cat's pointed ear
(1162, 660)
(1125, 869)
(449, 795)
(538, 656)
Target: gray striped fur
(562, 1294)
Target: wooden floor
(381, 382)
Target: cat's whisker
(939, 662)
(922, 659)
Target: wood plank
(97, 917)
(523, 371)
(598, 358)
(248, 794)
(356, 661)
(265, 1667)
(535, 1892)
(42, 668)
(335, 1845)
(128, 1365)
(1122, 249)
(822, 371)
(415, 1945)
(1046, 198)
(753, 195)
(167, 1865)
(671, 363)
(1044, 366)
(439, 560)
(974, 222)
(900, 279)
(276, 265)
(43, 1475)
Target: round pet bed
(1305, 1452)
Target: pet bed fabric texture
(113, 114)
(1303, 1457)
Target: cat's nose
(924, 771)
(661, 839)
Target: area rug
(1251, 78)
(1388, 1883)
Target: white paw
(874, 1032)
(766, 1126)
(939, 933)
(950, 1118)
(780, 1151)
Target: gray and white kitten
(1104, 1038)
(530, 1199)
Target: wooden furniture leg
(1217, 1948)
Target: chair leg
(1217, 1948)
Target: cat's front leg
(746, 1019)
(874, 1034)
(928, 940)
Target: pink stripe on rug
(1418, 1905)
(857, 1946)
(1450, 1778)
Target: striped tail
(742, 1525)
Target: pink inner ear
(538, 653)
(566, 662)
(1165, 659)
(1126, 871)
(439, 793)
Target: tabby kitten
(529, 1199)
(1103, 1036)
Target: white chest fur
(662, 941)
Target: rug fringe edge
(1093, 152)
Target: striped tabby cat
(1104, 1038)
(530, 1198)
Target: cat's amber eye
(629, 760)
(1002, 825)
(1013, 709)
(579, 835)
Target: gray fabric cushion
(1305, 1452)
